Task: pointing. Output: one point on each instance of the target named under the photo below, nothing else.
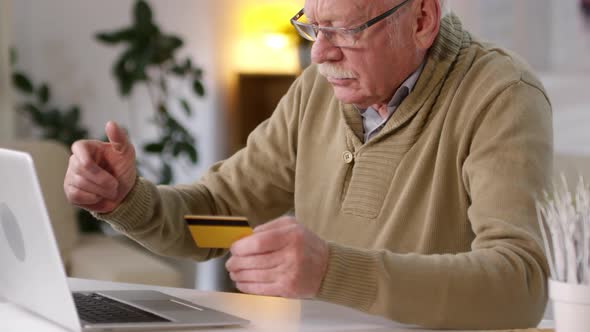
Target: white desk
(264, 313)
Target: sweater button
(348, 157)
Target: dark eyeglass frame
(349, 31)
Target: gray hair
(445, 8)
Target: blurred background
(189, 79)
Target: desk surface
(264, 313)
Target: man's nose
(323, 50)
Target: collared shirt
(372, 121)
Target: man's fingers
(257, 262)
(104, 182)
(267, 289)
(261, 242)
(86, 185)
(88, 201)
(85, 151)
(117, 137)
(264, 276)
(80, 197)
(277, 223)
(83, 188)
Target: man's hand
(100, 175)
(281, 258)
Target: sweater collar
(439, 60)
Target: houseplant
(149, 59)
(53, 122)
(564, 221)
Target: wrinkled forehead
(352, 11)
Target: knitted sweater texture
(430, 222)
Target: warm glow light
(267, 42)
(269, 17)
(276, 40)
(252, 55)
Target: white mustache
(331, 71)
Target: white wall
(6, 110)
(523, 26)
(55, 40)
(570, 37)
(550, 34)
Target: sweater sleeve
(257, 182)
(501, 281)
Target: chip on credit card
(217, 231)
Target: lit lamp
(267, 42)
(276, 41)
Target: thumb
(117, 136)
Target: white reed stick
(566, 216)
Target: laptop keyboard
(97, 309)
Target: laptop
(32, 275)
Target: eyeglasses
(339, 37)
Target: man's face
(383, 56)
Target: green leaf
(170, 43)
(192, 153)
(22, 83)
(130, 69)
(166, 175)
(197, 73)
(121, 71)
(34, 112)
(186, 107)
(116, 36)
(178, 70)
(177, 149)
(162, 109)
(171, 124)
(198, 88)
(43, 94)
(125, 85)
(186, 148)
(153, 147)
(188, 64)
(183, 69)
(142, 13)
(138, 60)
(52, 118)
(72, 117)
(146, 34)
(164, 48)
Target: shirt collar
(402, 92)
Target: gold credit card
(217, 231)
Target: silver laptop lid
(32, 273)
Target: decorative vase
(571, 306)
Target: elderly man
(411, 154)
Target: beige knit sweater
(430, 222)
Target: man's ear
(427, 15)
